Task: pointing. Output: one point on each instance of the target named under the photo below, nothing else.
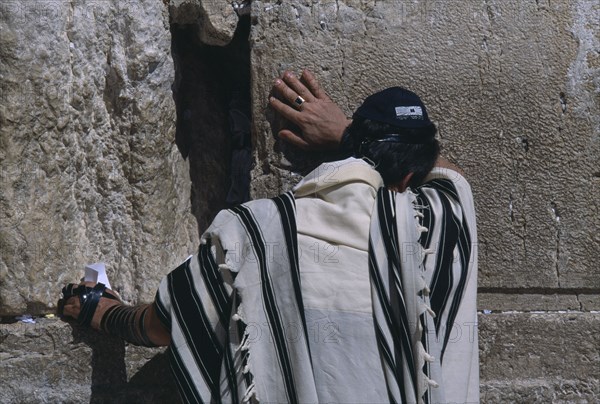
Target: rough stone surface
(545, 390)
(50, 362)
(513, 86)
(540, 357)
(589, 302)
(527, 302)
(89, 170)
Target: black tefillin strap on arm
(127, 322)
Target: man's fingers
(284, 109)
(310, 81)
(297, 86)
(71, 307)
(292, 138)
(281, 89)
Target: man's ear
(403, 184)
(405, 181)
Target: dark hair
(392, 160)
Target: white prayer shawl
(241, 330)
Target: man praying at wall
(359, 285)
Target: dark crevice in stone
(212, 97)
(112, 89)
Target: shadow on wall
(212, 98)
(152, 383)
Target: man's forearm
(138, 325)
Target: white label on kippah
(409, 112)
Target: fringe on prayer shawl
(399, 304)
(250, 394)
(422, 293)
(243, 347)
(423, 355)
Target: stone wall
(90, 169)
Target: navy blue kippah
(395, 106)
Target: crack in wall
(563, 102)
(511, 211)
(566, 311)
(212, 98)
(69, 34)
(538, 291)
(556, 214)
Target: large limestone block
(51, 362)
(513, 86)
(540, 357)
(89, 171)
(529, 302)
(540, 391)
(590, 302)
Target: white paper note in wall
(96, 273)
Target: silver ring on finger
(299, 101)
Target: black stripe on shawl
(442, 280)
(464, 249)
(184, 381)
(445, 185)
(426, 365)
(161, 311)
(382, 295)
(393, 326)
(187, 389)
(278, 333)
(195, 326)
(214, 282)
(389, 235)
(222, 302)
(387, 226)
(389, 231)
(231, 373)
(286, 206)
(388, 357)
(464, 245)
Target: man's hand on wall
(72, 306)
(305, 104)
(139, 325)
